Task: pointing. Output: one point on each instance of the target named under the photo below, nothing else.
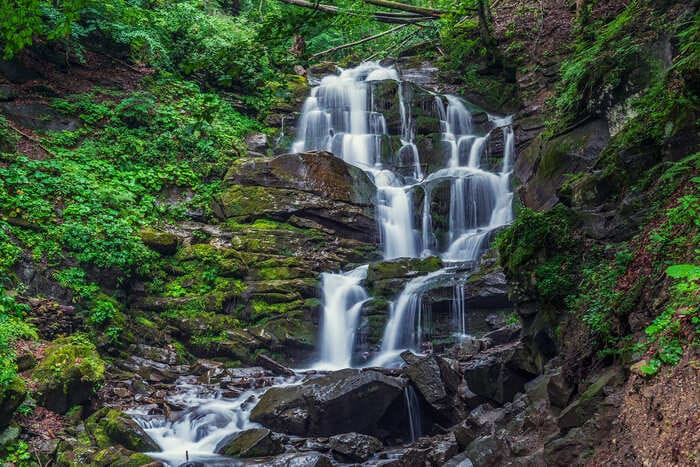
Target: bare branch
(361, 41)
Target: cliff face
(607, 171)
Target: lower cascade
(343, 115)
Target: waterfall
(458, 310)
(413, 409)
(341, 115)
(343, 298)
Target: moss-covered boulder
(256, 442)
(69, 373)
(402, 267)
(162, 242)
(108, 427)
(11, 396)
(118, 456)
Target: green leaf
(684, 271)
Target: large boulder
(499, 372)
(585, 406)
(437, 380)
(354, 447)
(108, 427)
(69, 373)
(256, 442)
(318, 172)
(341, 401)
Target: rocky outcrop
(12, 394)
(437, 380)
(255, 442)
(314, 187)
(543, 167)
(335, 403)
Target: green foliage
(18, 455)
(665, 333)
(598, 299)
(24, 20)
(102, 312)
(533, 234)
(90, 201)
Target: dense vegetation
(90, 207)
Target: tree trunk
(380, 16)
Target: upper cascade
(347, 115)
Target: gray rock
(487, 451)
(331, 404)
(460, 460)
(437, 381)
(504, 335)
(257, 142)
(354, 447)
(443, 448)
(37, 116)
(498, 373)
(583, 408)
(307, 459)
(255, 442)
(7, 92)
(404, 457)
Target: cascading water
(342, 302)
(341, 116)
(195, 432)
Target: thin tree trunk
(405, 7)
(380, 16)
(361, 41)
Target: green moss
(108, 427)
(162, 242)
(75, 353)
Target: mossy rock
(118, 456)
(11, 397)
(402, 268)
(255, 442)
(162, 242)
(108, 427)
(69, 373)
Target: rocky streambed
(479, 402)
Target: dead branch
(361, 41)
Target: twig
(31, 138)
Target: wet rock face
(308, 459)
(313, 186)
(256, 442)
(543, 167)
(354, 447)
(437, 380)
(335, 403)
